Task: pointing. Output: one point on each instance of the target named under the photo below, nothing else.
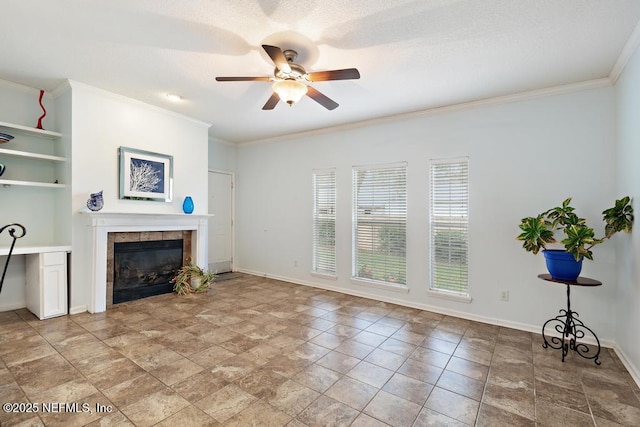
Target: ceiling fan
(290, 79)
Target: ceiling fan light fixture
(290, 91)
(289, 79)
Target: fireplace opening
(145, 268)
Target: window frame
(329, 217)
(386, 212)
(453, 225)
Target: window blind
(379, 223)
(449, 223)
(324, 221)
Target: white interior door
(221, 224)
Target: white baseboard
(11, 307)
(17, 306)
(633, 371)
(78, 309)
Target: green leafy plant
(579, 238)
(192, 279)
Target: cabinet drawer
(54, 258)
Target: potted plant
(579, 238)
(192, 279)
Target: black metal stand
(568, 324)
(12, 233)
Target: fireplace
(144, 269)
(142, 264)
(108, 228)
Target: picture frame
(145, 175)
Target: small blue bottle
(187, 205)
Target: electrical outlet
(295, 263)
(504, 296)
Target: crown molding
(63, 87)
(626, 54)
(19, 87)
(222, 141)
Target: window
(379, 224)
(324, 222)
(449, 222)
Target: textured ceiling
(412, 54)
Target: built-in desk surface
(22, 250)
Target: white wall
(19, 105)
(13, 295)
(525, 157)
(101, 123)
(222, 156)
(628, 253)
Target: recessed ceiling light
(174, 97)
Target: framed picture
(145, 175)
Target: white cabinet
(47, 284)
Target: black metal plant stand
(12, 233)
(568, 324)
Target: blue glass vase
(187, 205)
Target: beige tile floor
(254, 351)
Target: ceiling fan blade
(276, 55)
(346, 74)
(243, 79)
(321, 99)
(271, 102)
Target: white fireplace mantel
(102, 223)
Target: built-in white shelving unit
(35, 192)
(8, 150)
(35, 187)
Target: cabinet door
(47, 284)
(54, 290)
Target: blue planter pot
(562, 265)
(187, 205)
